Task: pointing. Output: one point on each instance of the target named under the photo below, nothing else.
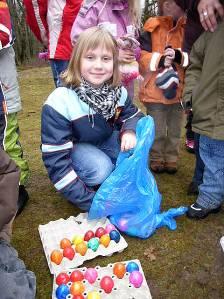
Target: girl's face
(97, 66)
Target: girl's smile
(97, 66)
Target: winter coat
(51, 22)
(204, 84)
(65, 122)
(8, 73)
(113, 16)
(159, 33)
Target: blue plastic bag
(130, 195)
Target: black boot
(22, 200)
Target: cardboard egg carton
(52, 233)
(122, 288)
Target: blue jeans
(93, 164)
(58, 66)
(211, 191)
(199, 165)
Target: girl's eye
(89, 57)
(106, 58)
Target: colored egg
(132, 266)
(89, 235)
(56, 256)
(76, 275)
(136, 279)
(91, 275)
(62, 291)
(77, 288)
(119, 270)
(109, 227)
(77, 239)
(105, 240)
(93, 295)
(100, 232)
(81, 248)
(65, 243)
(69, 252)
(107, 284)
(62, 278)
(93, 244)
(114, 235)
(78, 297)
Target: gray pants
(168, 123)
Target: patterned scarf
(103, 100)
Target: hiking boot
(170, 167)
(22, 199)
(157, 166)
(189, 144)
(198, 212)
(192, 189)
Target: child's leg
(57, 67)
(159, 114)
(174, 125)
(211, 191)
(13, 147)
(91, 164)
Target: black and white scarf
(102, 100)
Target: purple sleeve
(84, 20)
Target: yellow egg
(105, 240)
(77, 239)
(93, 295)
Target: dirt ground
(185, 263)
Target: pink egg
(91, 275)
(109, 228)
(136, 279)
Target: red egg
(78, 297)
(62, 278)
(107, 284)
(100, 232)
(76, 275)
(69, 252)
(89, 235)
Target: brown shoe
(170, 167)
(157, 166)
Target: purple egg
(136, 279)
(109, 227)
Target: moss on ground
(188, 262)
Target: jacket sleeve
(193, 73)
(86, 18)
(36, 17)
(57, 146)
(149, 61)
(5, 25)
(130, 114)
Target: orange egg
(56, 256)
(119, 270)
(105, 240)
(65, 243)
(81, 248)
(77, 288)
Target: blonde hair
(135, 12)
(91, 38)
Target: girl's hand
(126, 55)
(128, 140)
(169, 54)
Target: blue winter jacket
(65, 122)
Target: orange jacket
(162, 34)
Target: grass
(187, 263)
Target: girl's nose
(98, 63)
